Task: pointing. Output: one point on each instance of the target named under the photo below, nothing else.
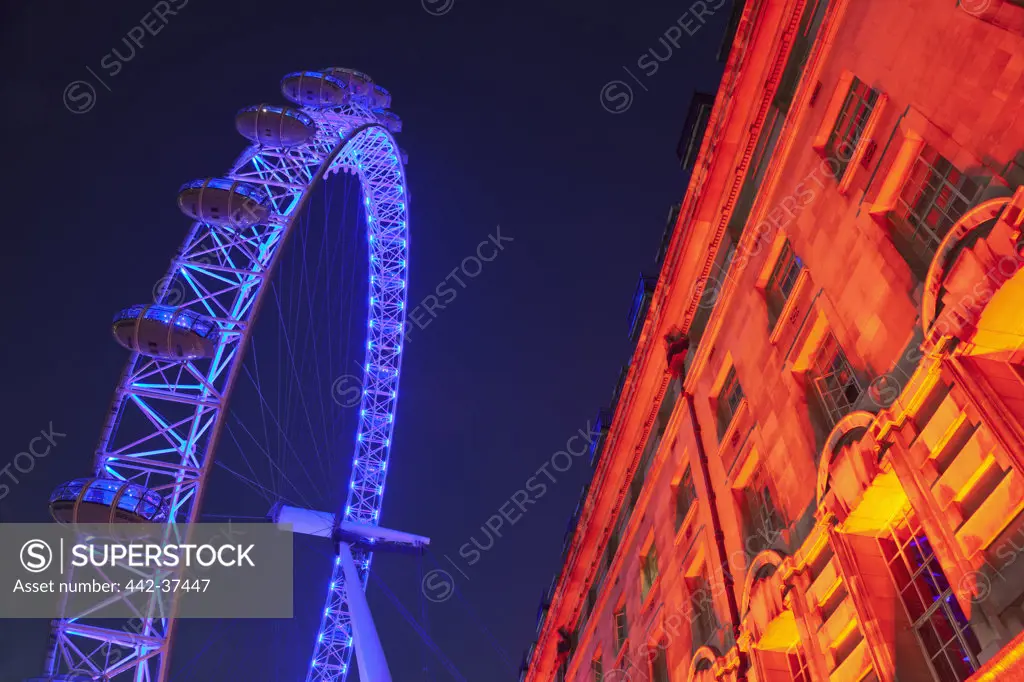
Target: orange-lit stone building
(833, 490)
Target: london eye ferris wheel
(187, 350)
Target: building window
(934, 198)
(591, 601)
(728, 401)
(596, 668)
(763, 521)
(621, 628)
(837, 386)
(702, 608)
(659, 664)
(686, 496)
(935, 615)
(648, 572)
(781, 282)
(849, 127)
(613, 547)
(799, 671)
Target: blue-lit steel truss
(166, 416)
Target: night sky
(504, 125)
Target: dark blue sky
(504, 125)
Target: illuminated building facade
(833, 490)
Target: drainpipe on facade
(716, 525)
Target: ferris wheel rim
(347, 141)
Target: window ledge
(730, 440)
(652, 593)
(791, 310)
(687, 526)
(731, 428)
(832, 111)
(620, 658)
(897, 178)
(866, 138)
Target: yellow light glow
(878, 506)
(1001, 327)
(982, 469)
(781, 633)
(848, 630)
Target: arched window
(702, 665)
(848, 431)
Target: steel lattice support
(165, 418)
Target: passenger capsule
(358, 82)
(315, 89)
(361, 87)
(380, 98)
(390, 119)
(106, 500)
(227, 203)
(166, 332)
(275, 126)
